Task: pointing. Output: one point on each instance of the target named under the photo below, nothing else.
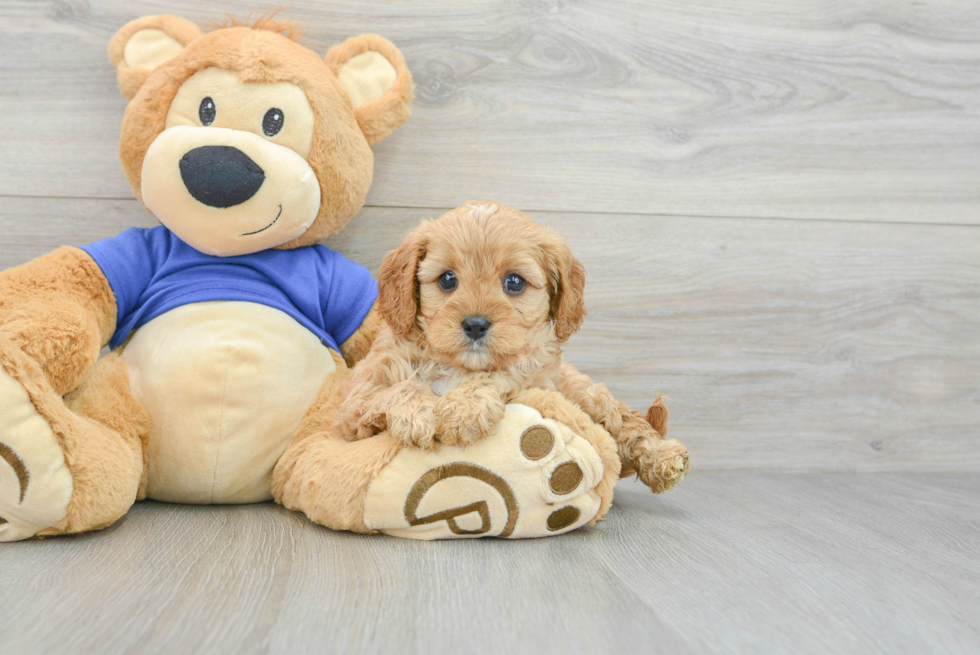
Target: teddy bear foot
(35, 484)
(532, 477)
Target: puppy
(478, 304)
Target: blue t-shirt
(151, 271)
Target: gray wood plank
(864, 110)
(804, 345)
(813, 563)
(732, 562)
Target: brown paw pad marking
(562, 518)
(565, 478)
(17, 464)
(461, 469)
(536, 442)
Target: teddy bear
(232, 330)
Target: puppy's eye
(514, 284)
(272, 122)
(207, 111)
(447, 281)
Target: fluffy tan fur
(358, 345)
(266, 21)
(100, 428)
(131, 79)
(58, 311)
(323, 477)
(380, 117)
(327, 478)
(341, 155)
(424, 348)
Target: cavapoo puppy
(478, 304)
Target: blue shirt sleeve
(347, 293)
(129, 261)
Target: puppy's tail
(657, 416)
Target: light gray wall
(777, 202)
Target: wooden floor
(778, 206)
(735, 562)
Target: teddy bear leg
(546, 470)
(66, 464)
(556, 407)
(326, 477)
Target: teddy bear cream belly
(226, 385)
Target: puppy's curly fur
(425, 379)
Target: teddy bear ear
(374, 74)
(145, 43)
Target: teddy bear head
(239, 139)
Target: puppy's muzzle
(476, 327)
(220, 176)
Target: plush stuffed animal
(232, 331)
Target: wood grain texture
(734, 562)
(803, 345)
(672, 144)
(861, 110)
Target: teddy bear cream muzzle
(228, 192)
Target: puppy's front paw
(414, 424)
(352, 423)
(361, 425)
(465, 414)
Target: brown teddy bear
(231, 330)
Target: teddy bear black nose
(220, 176)
(476, 327)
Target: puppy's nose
(220, 176)
(476, 327)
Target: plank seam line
(861, 221)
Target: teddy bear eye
(448, 281)
(514, 284)
(272, 122)
(207, 111)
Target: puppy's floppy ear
(398, 287)
(379, 84)
(145, 43)
(566, 281)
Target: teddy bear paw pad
(35, 485)
(532, 477)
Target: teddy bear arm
(60, 311)
(358, 344)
